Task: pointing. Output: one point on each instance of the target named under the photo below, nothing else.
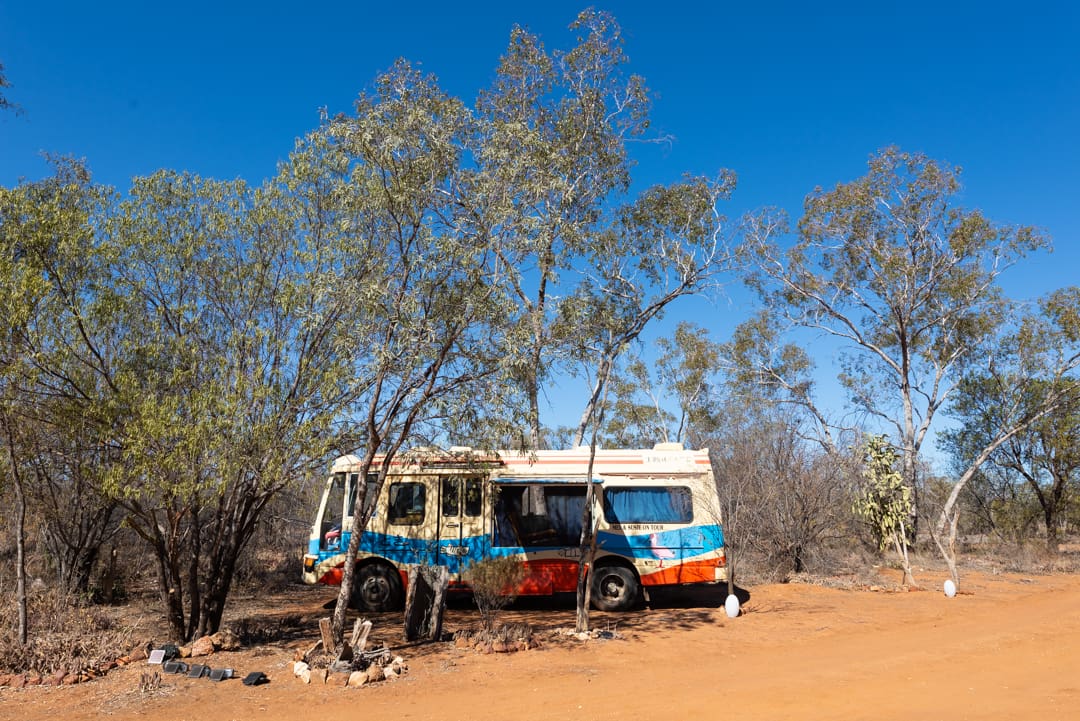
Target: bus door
(410, 523)
(461, 531)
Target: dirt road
(1008, 647)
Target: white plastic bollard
(950, 588)
(731, 606)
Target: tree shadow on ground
(294, 615)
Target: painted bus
(657, 510)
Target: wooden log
(426, 602)
(327, 636)
(360, 633)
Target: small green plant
(494, 583)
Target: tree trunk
(585, 561)
(900, 542)
(20, 557)
(1051, 517)
(194, 592)
(535, 436)
(588, 525)
(20, 533)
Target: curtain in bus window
(565, 507)
(664, 504)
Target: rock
(305, 676)
(375, 673)
(71, 679)
(357, 678)
(185, 651)
(58, 675)
(226, 640)
(499, 647)
(389, 673)
(33, 680)
(299, 667)
(138, 654)
(319, 675)
(202, 646)
(18, 680)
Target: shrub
(494, 583)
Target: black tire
(615, 588)
(377, 588)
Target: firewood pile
(351, 665)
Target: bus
(657, 521)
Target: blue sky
(790, 95)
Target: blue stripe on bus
(673, 544)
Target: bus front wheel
(615, 588)
(378, 588)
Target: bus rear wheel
(615, 588)
(378, 588)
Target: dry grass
(65, 633)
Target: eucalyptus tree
(901, 277)
(670, 397)
(1030, 383)
(552, 157)
(43, 260)
(21, 291)
(1044, 458)
(229, 375)
(63, 414)
(669, 243)
(765, 370)
(428, 323)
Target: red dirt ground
(1007, 647)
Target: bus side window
(648, 504)
(408, 503)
